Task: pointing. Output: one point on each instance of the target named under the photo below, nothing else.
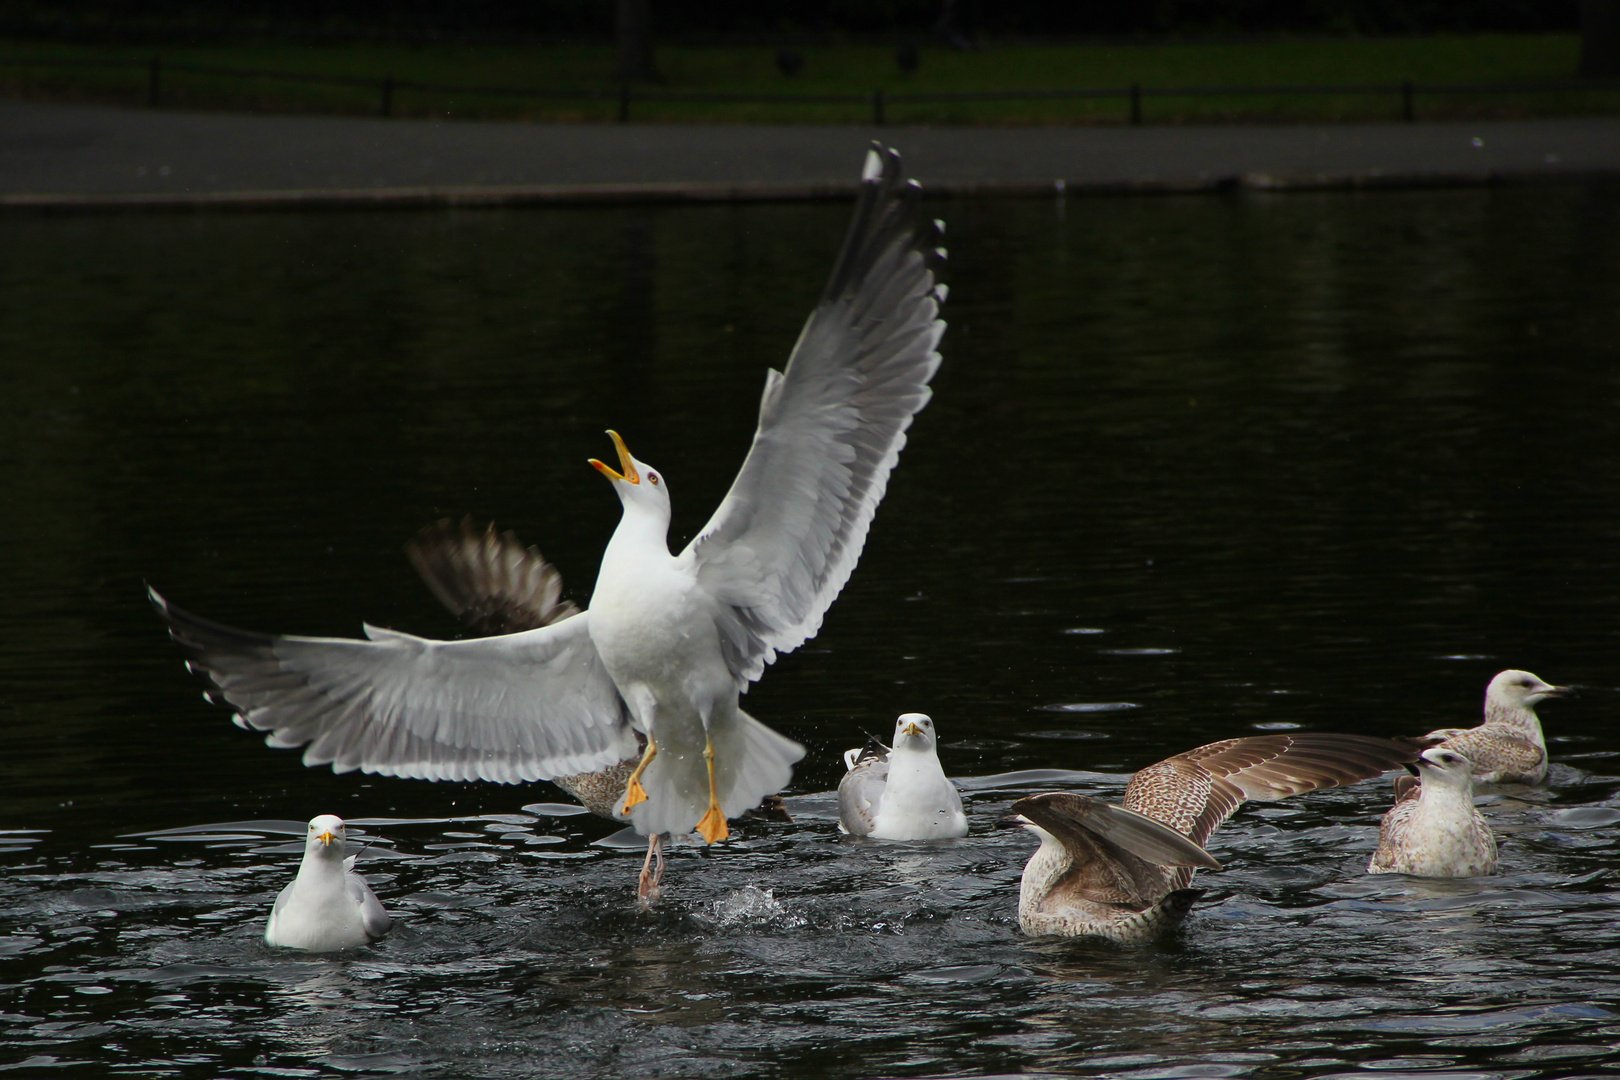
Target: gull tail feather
(750, 762)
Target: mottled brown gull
(1122, 872)
(1434, 830)
(1509, 746)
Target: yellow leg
(634, 793)
(713, 824)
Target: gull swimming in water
(1434, 830)
(669, 641)
(903, 793)
(328, 906)
(1122, 872)
(1508, 747)
(496, 585)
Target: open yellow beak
(629, 475)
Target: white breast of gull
(903, 793)
(1123, 872)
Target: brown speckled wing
(489, 580)
(1197, 790)
(1493, 750)
(1101, 871)
(1392, 831)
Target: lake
(1196, 467)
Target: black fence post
(1136, 104)
(1408, 113)
(388, 96)
(877, 108)
(152, 81)
(624, 103)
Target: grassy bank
(839, 69)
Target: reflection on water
(1194, 468)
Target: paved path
(81, 157)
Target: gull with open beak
(669, 641)
(1434, 829)
(328, 906)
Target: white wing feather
(788, 534)
(508, 709)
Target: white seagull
(496, 585)
(328, 906)
(1509, 746)
(1434, 830)
(903, 793)
(669, 641)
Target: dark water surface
(1194, 468)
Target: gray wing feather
(859, 794)
(787, 536)
(373, 919)
(507, 709)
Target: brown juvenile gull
(903, 793)
(669, 641)
(1122, 872)
(1508, 747)
(497, 585)
(1433, 830)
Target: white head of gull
(903, 793)
(1509, 746)
(328, 906)
(1122, 872)
(670, 640)
(1434, 830)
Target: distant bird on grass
(327, 907)
(907, 57)
(1509, 746)
(903, 793)
(1434, 829)
(789, 61)
(1122, 872)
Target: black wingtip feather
(885, 209)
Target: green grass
(846, 69)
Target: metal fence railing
(879, 101)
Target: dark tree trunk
(635, 31)
(1600, 38)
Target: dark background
(786, 20)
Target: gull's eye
(654, 478)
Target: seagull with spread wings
(669, 641)
(1122, 871)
